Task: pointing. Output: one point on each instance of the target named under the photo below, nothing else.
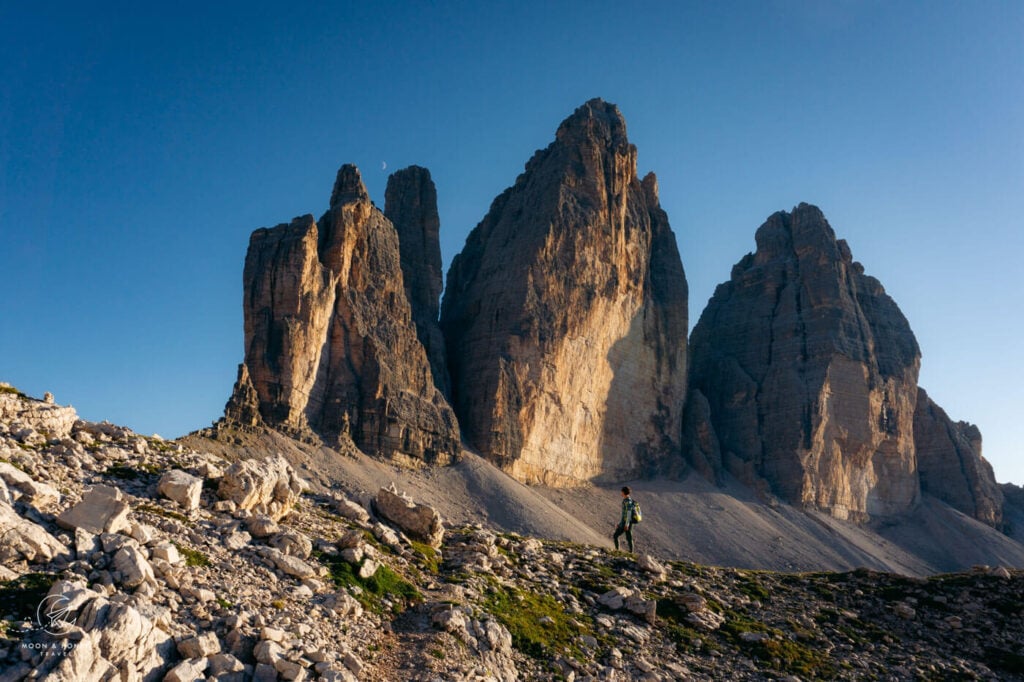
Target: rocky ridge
(331, 348)
(264, 580)
(565, 315)
(951, 465)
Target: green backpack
(637, 514)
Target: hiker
(626, 522)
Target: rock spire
(565, 315)
(410, 203)
(331, 348)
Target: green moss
(384, 584)
(737, 624)
(12, 391)
(428, 555)
(752, 588)
(539, 625)
(460, 577)
(160, 511)
(776, 650)
(437, 653)
(673, 619)
(688, 569)
(193, 557)
(792, 657)
(593, 584)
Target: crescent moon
(383, 165)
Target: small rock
(188, 671)
(199, 646)
(269, 486)
(905, 611)
(615, 598)
(273, 635)
(181, 487)
(293, 566)
(168, 552)
(225, 663)
(292, 543)
(262, 526)
(419, 521)
(102, 510)
(351, 511)
(133, 565)
(368, 568)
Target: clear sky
(139, 147)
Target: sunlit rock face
(565, 315)
(951, 465)
(331, 348)
(809, 371)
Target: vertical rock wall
(410, 203)
(331, 348)
(951, 465)
(810, 374)
(565, 315)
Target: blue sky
(139, 148)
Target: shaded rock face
(810, 374)
(952, 468)
(565, 315)
(330, 344)
(410, 203)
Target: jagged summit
(810, 373)
(594, 120)
(348, 186)
(564, 312)
(804, 379)
(331, 349)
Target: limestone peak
(595, 119)
(563, 314)
(348, 186)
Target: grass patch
(428, 555)
(793, 657)
(11, 390)
(776, 650)
(460, 577)
(160, 511)
(753, 589)
(20, 597)
(384, 584)
(673, 619)
(593, 584)
(539, 625)
(193, 557)
(737, 624)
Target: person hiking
(626, 522)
